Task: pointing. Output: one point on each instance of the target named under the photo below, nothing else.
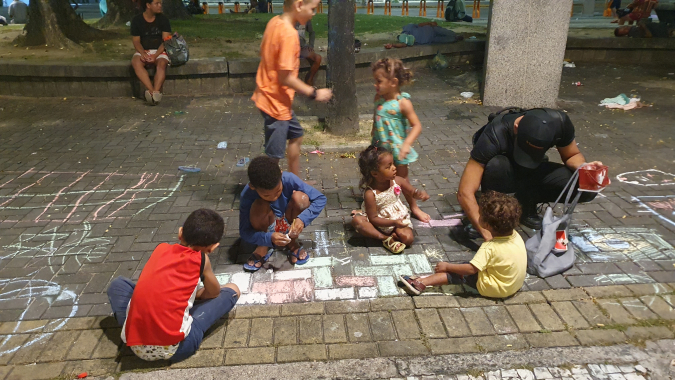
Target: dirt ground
(121, 48)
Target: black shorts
(470, 280)
(277, 132)
(616, 4)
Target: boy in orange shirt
(277, 81)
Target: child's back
(502, 264)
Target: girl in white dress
(383, 216)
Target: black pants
(531, 186)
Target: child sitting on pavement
(383, 216)
(157, 315)
(498, 268)
(274, 209)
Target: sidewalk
(89, 187)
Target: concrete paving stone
(649, 289)
(558, 282)
(257, 311)
(334, 330)
(285, 331)
(500, 319)
(453, 346)
(392, 304)
(31, 353)
(454, 322)
(435, 302)
(347, 306)
(525, 298)
(473, 301)
(591, 312)
(23, 326)
(403, 348)
(215, 335)
(617, 313)
(236, 333)
(478, 322)
(637, 309)
(523, 318)
(108, 345)
(663, 277)
(258, 355)
(570, 315)
(565, 294)
(311, 329)
(547, 317)
(352, 351)
(648, 333)
(261, 332)
(659, 306)
(202, 358)
(301, 353)
(302, 308)
(382, 326)
(494, 343)
(542, 373)
(4, 370)
(84, 346)
(406, 324)
(554, 339)
(559, 372)
(431, 324)
(601, 337)
(59, 346)
(36, 371)
(525, 374)
(358, 329)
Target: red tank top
(159, 310)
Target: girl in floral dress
(383, 216)
(395, 123)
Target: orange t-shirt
(279, 50)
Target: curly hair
(203, 227)
(394, 69)
(264, 172)
(369, 161)
(500, 212)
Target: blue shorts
(277, 132)
(616, 4)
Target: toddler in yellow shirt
(498, 268)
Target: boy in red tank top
(177, 297)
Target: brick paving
(89, 187)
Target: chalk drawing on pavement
(31, 290)
(649, 177)
(82, 195)
(621, 244)
(663, 207)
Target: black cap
(534, 136)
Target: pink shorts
(153, 52)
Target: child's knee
(357, 222)
(233, 287)
(300, 199)
(406, 236)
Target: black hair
(264, 172)
(616, 32)
(203, 227)
(369, 161)
(144, 4)
(500, 212)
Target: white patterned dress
(389, 206)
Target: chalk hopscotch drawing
(649, 177)
(621, 244)
(53, 248)
(663, 207)
(83, 195)
(31, 290)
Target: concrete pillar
(525, 52)
(589, 8)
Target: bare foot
(420, 215)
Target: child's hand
(323, 95)
(402, 223)
(280, 240)
(420, 195)
(403, 152)
(441, 267)
(296, 228)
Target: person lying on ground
(646, 30)
(307, 50)
(274, 209)
(499, 267)
(429, 33)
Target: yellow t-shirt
(502, 263)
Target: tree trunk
(175, 10)
(343, 115)
(54, 23)
(119, 13)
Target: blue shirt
(289, 182)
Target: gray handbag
(548, 251)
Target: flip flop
(296, 254)
(262, 260)
(243, 161)
(189, 169)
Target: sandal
(256, 260)
(296, 254)
(393, 246)
(411, 285)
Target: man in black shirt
(509, 156)
(149, 30)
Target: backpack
(549, 251)
(177, 50)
